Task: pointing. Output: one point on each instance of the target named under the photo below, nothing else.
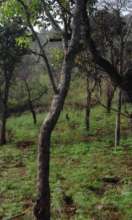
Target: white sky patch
(124, 5)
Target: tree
(42, 208)
(10, 55)
(25, 74)
(114, 37)
(88, 71)
(112, 27)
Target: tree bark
(118, 121)
(79, 36)
(42, 208)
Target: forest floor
(90, 179)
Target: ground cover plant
(90, 179)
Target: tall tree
(79, 34)
(88, 71)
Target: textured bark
(42, 208)
(79, 36)
(118, 121)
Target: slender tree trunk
(4, 112)
(109, 102)
(110, 95)
(88, 111)
(121, 70)
(33, 114)
(42, 208)
(118, 121)
(79, 36)
(3, 130)
(88, 106)
(30, 102)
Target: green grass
(80, 161)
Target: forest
(65, 110)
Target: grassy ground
(90, 179)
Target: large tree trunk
(118, 121)
(79, 36)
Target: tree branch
(104, 63)
(52, 20)
(50, 73)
